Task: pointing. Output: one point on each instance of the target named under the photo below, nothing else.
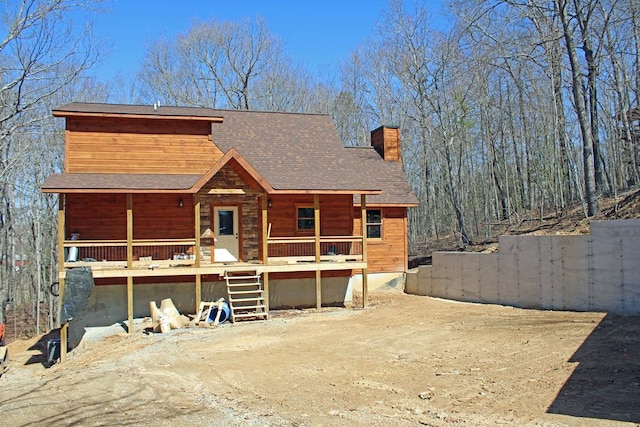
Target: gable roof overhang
(84, 109)
(118, 183)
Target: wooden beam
(406, 240)
(265, 230)
(197, 253)
(363, 223)
(265, 249)
(316, 227)
(226, 191)
(61, 278)
(220, 269)
(130, 262)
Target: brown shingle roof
(387, 175)
(292, 152)
(62, 182)
(87, 108)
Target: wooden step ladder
(204, 313)
(245, 295)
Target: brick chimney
(386, 141)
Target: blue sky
(318, 34)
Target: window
(225, 222)
(306, 218)
(374, 223)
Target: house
(165, 202)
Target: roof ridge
(190, 107)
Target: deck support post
(61, 233)
(197, 254)
(316, 226)
(363, 223)
(265, 250)
(129, 263)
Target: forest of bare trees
(507, 108)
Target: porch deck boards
(104, 269)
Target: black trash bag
(77, 289)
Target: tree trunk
(583, 120)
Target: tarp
(78, 287)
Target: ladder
(204, 313)
(245, 295)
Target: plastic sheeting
(78, 287)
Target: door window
(225, 223)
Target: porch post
(363, 223)
(65, 326)
(197, 253)
(265, 249)
(129, 263)
(316, 223)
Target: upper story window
(305, 218)
(374, 223)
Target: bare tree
(220, 65)
(581, 112)
(41, 55)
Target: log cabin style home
(174, 202)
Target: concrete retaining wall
(596, 272)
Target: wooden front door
(226, 233)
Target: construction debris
(203, 317)
(167, 317)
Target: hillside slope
(572, 221)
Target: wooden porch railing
(332, 248)
(156, 251)
(163, 252)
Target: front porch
(178, 257)
(197, 256)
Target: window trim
(305, 231)
(379, 224)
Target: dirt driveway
(403, 361)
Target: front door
(226, 233)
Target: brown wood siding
(104, 216)
(117, 145)
(96, 216)
(388, 254)
(335, 215)
(387, 142)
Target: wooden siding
(389, 253)
(335, 215)
(117, 145)
(386, 141)
(104, 216)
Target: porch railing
(332, 248)
(163, 252)
(156, 251)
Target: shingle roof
(387, 175)
(118, 182)
(291, 151)
(88, 108)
